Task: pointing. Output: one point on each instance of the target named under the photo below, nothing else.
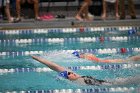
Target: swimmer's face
(81, 55)
(72, 76)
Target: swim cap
(64, 74)
(76, 53)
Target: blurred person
(131, 9)
(36, 8)
(83, 13)
(7, 11)
(1, 9)
(104, 15)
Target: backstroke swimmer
(92, 57)
(86, 80)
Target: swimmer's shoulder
(89, 55)
(80, 81)
(89, 80)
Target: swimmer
(92, 57)
(84, 80)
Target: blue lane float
(93, 51)
(67, 40)
(88, 90)
(46, 69)
(130, 30)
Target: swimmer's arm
(135, 58)
(91, 57)
(96, 59)
(132, 58)
(112, 60)
(50, 64)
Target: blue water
(49, 80)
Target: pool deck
(69, 22)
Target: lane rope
(67, 40)
(94, 51)
(46, 69)
(90, 90)
(69, 30)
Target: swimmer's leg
(112, 60)
(135, 58)
(127, 81)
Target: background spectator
(131, 9)
(36, 8)
(104, 15)
(83, 12)
(6, 4)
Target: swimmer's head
(64, 74)
(76, 53)
(68, 75)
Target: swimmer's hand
(34, 57)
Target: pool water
(20, 73)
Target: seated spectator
(36, 8)
(7, 11)
(131, 8)
(83, 12)
(1, 9)
(104, 15)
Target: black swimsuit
(92, 81)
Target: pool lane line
(94, 51)
(73, 68)
(88, 90)
(68, 30)
(67, 40)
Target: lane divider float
(130, 29)
(46, 69)
(93, 51)
(66, 40)
(89, 90)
